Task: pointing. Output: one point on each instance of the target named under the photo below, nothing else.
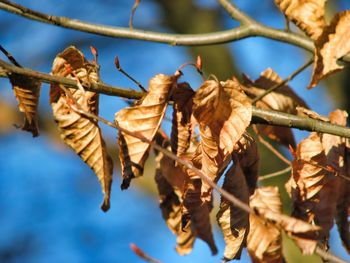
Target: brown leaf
(247, 153)
(315, 195)
(308, 15)
(144, 119)
(213, 160)
(182, 112)
(332, 45)
(170, 203)
(233, 221)
(82, 134)
(197, 211)
(283, 99)
(264, 241)
(27, 92)
(225, 109)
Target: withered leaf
(247, 153)
(332, 45)
(213, 160)
(144, 119)
(264, 240)
(283, 99)
(82, 134)
(316, 189)
(197, 211)
(27, 92)
(233, 221)
(182, 112)
(343, 204)
(308, 15)
(170, 203)
(225, 109)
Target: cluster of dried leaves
(221, 111)
(331, 40)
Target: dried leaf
(308, 15)
(143, 119)
(182, 112)
(170, 204)
(83, 135)
(225, 109)
(283, 99)
(316, 192)
(332, 45)
(233, 221)
(197, 211)
(27, 92)
(213, 160)
(247, 153)
(264, 241)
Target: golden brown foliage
(332, 45)
(82, 134)
(308, 15)
(27, 92)
(144, 119)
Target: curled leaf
(234, 222)
(283, 99)
(197, 211)
(332, 45)
(182, 112)
(170, 203)
(247, 153)
(308, 15)
(143, 119)
(316, 189)
(264, 241)
(27, 92)
(225, 109)
(82, 134)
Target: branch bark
(260, 116)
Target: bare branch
(260, 116)
(235, 13)
(275, 174)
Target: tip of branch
(117, 64)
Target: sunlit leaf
(264, 241)
(27, 92)
(315, 195)
(82, 134)
(283, 99)
(225, 109)
(233, 221)
(332, 45)
(308, 15)
(144, 119)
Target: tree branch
(235, 13)
(260, 116)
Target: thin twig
(285, 81)
(120, 69)
(275, 174)
(9, 56)
(260, 116)
(133, 10)
(235, 13)
(272, 149)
